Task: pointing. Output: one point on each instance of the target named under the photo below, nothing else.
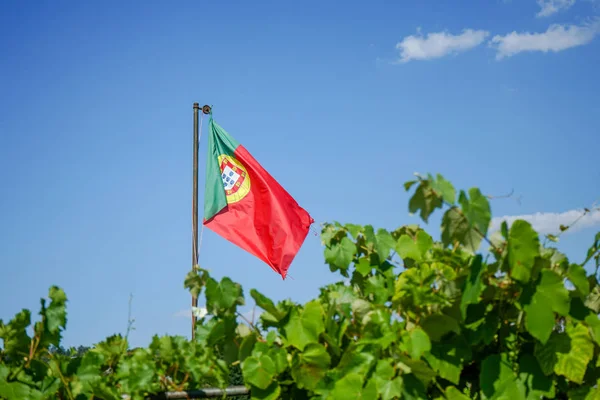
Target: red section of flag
(267, 222)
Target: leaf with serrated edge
(567, 353)
(340, 254)
(577, 276)
(305, 326)
(497, 379)
(473, 286)
(310, 366)
(523, 248)
(550, 296)
(258, 371)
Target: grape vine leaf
(447, 359)
(417, 343)
(305, 326)
(259, 371)
(577, 276)
(271, 392)
(14, 334)
(467, 225)
(473, 286)
(537, 384)
(452, 393)
(266, 304)
(567, 353)
(437, 325)
(385, 243)
(497, 379)
(444, 188)
(350, 387)
(310, 366)
(523, 248)
(223, 295)
(550, 296)
(340, 254)
(415, 249)
(424, 199)
(354, 230)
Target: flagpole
(195, 213)
(205, 110)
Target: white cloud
(439, 44)
(549, 7)
(546, 223)
(556, 38)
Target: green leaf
(385, 243)
(453, 393)
(354, 362)
(136, 373)
(523, 248)
(444, 188)
(222, 296)
(258, 371)
(354, 230)
(279, 357)
(594, 323)
(538, 385)
(424, 199)
(550, 296)
(56, 313)
(340, 254)
(413, 389)
(272, 392)
(577, 276)
(418, 343)
(567, 353)
(377, 286)
(447, 359)
(305, 326)
(414, 249)
(593, 250)
(497, 379)
(437, 325)
(14, 334)
(593, 299)
(424, 242)
(310, 366)
(407, 248)
(391, 389)
(469, 224)
(456, 229)
(408, 185)
(476, 209)
(384, 372)
(194, 283)
(363, 266)
(473, 285)
(350, 387)
(15, 390)
(266, 304)
(246, 346)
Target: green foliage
(415, 318)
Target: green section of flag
(219, 142)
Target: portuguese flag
(248, 207)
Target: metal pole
(195, 214)
(203, 393)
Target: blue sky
(340, 103)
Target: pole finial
(196, 106)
